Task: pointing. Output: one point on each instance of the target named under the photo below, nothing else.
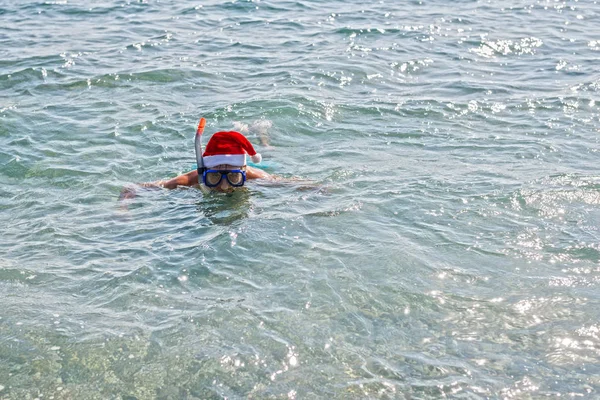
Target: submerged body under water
(449, 247)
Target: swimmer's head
(224, 161)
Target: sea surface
(435, 232)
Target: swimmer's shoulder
(257, 173)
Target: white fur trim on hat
(256, 158)
(231, 159)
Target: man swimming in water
(222, 166)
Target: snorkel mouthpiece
(198, 147)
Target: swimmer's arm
(191, 178)
(274, 180)
(188, 179)
(256, 173)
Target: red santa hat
(229, 148)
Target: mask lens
(235, 178)
(212, 178)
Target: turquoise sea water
(448, 248)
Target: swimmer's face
(224, 183)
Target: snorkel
(198, 147)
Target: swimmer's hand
(130, 191)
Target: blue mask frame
(223, 174)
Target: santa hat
(229, 148)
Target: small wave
(505, 47)
(353, 32)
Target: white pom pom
(256, 158)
